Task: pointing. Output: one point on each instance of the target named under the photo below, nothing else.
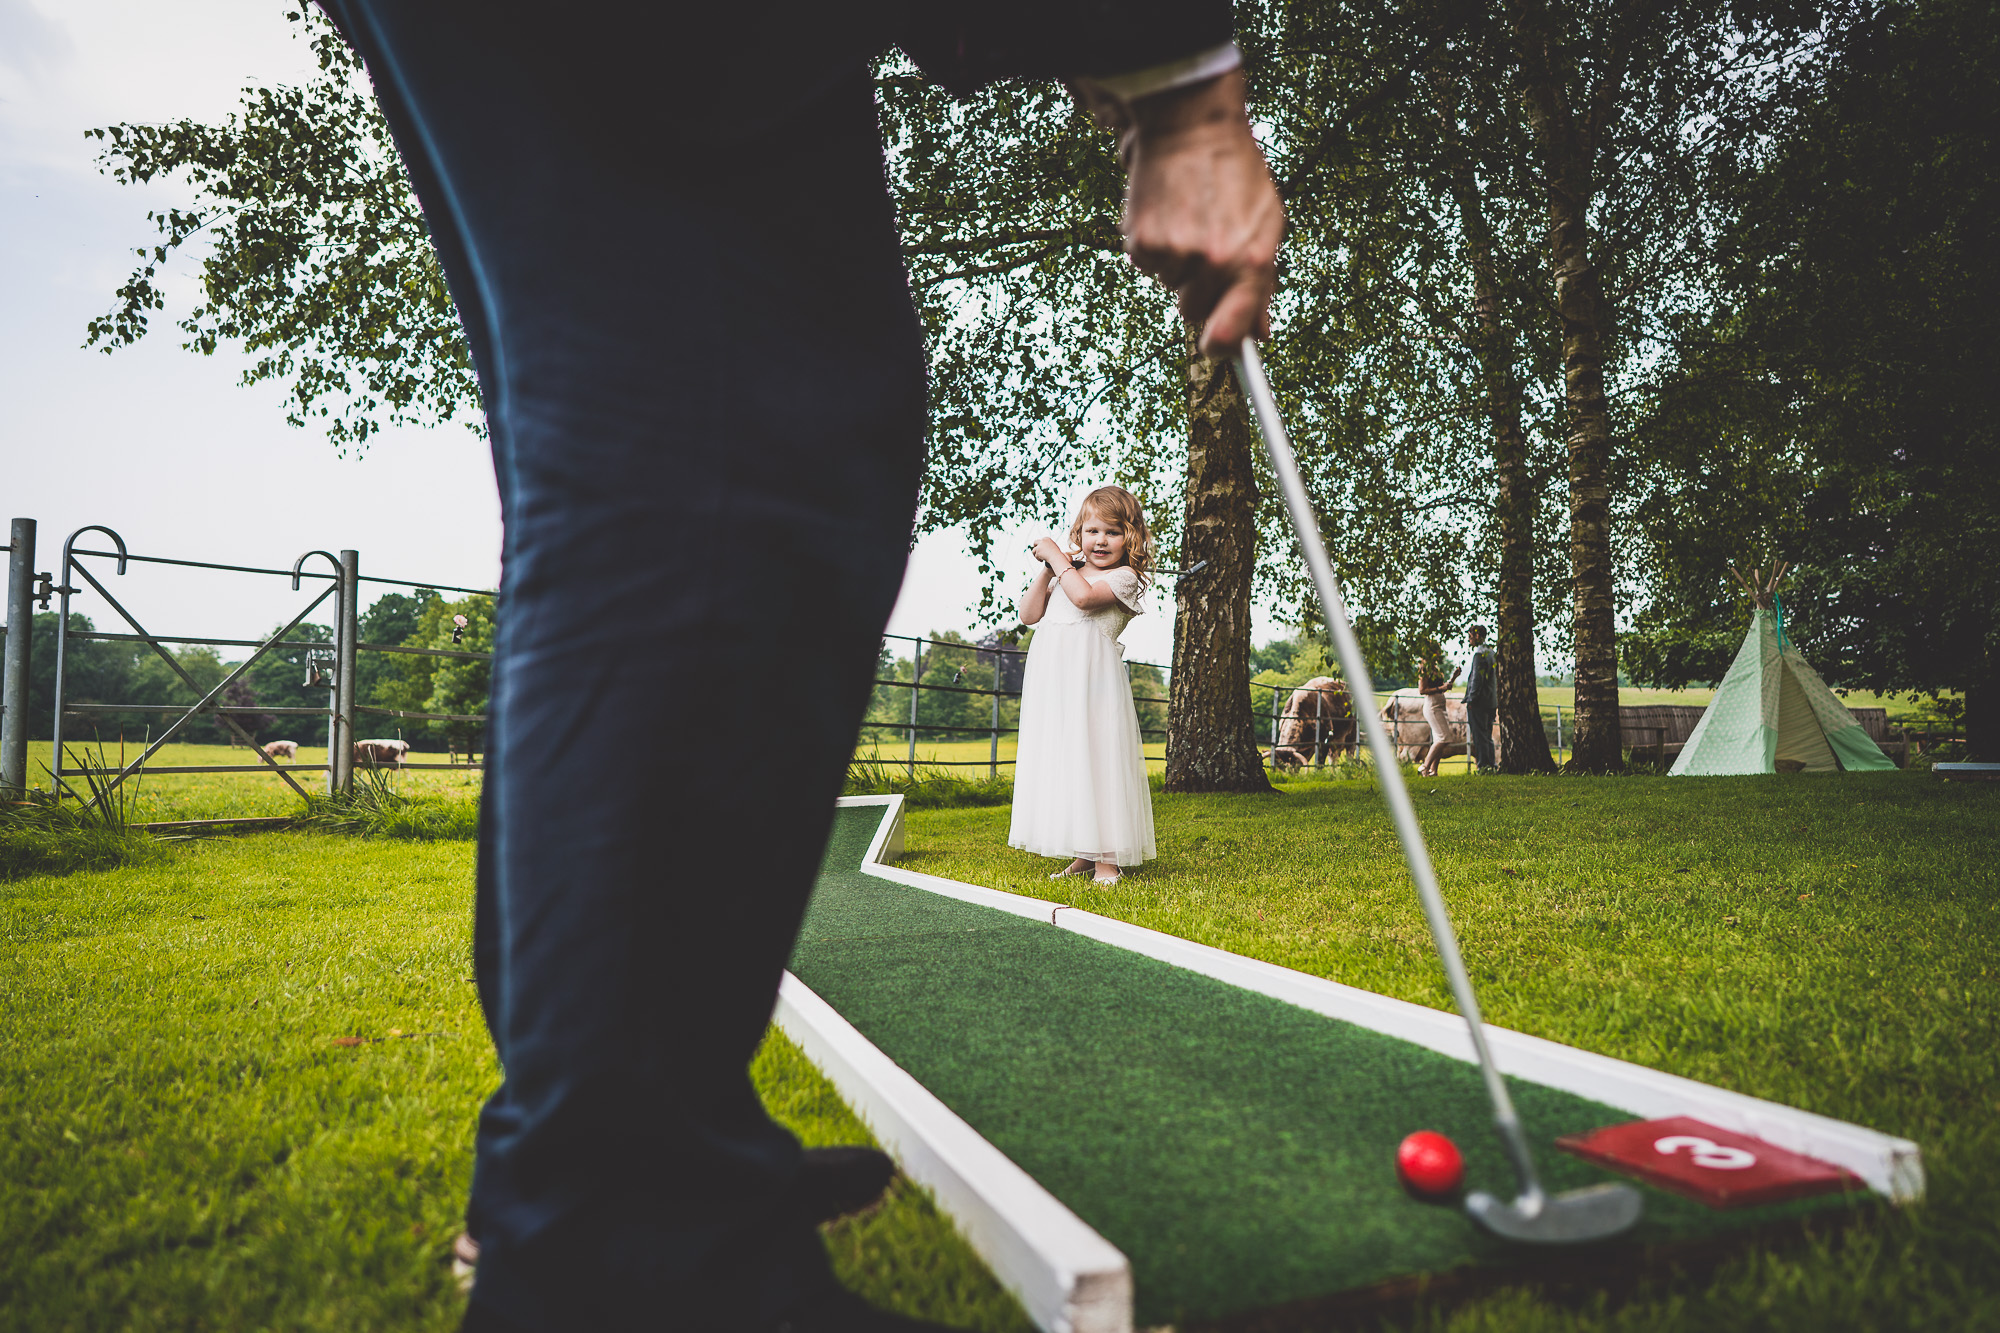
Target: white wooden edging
(1891, 1166)
(1068, 1278)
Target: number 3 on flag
(1722, 1168)
(1706, 1152)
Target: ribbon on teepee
(1778, 603)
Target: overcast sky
(163, 445)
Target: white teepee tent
(1772, 713)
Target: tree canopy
(1839, 410)
(314, 254)
(1580, 300)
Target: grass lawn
(1831, 942)
(184, 1146)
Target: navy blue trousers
(1479, 735)
(705, 386)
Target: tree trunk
(1524, 745)
(1211, 741)
(1585, 321)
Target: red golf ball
(1429, 1163)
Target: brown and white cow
(1403, 714)
(1319, 714)
(380, 752)
(282, 750)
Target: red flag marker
(1711, 1165)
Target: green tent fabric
(1773, 713)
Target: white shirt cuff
(1197, 68)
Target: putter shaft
(1360, 685)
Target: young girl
(1080, 777)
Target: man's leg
(1479, 732)
(706, 385)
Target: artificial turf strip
(1239, 1150)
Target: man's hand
(1201, 213)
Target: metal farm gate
(331, 665)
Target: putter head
(1575, 1218)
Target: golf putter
(1533, 1215)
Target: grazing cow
(1403, 714)
(282, 750)
(1318, 715)
(380, 752)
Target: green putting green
(1238, 1149)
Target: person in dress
(1080, 787)
(1431, 684)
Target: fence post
(20, 639)
(916, 683)
(1559, 733)
(1274, 725)
(993, 767)
(332, 731)
(346, 634)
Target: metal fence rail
(1557, 719)
(997, 650)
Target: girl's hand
(1050, 553)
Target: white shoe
(1106, 879)
(464, 1260)
(1066, 872)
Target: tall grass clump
(930, 788)
(375, 809)
(1351, 766)
(42, 834)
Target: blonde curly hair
(1120, 506)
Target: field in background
(241, 795)
(894, 751)
(1628, 695)
(228, 795)
(1904, 709)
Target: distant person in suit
(1482, 700)
(669, 237)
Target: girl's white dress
(1080, 775)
